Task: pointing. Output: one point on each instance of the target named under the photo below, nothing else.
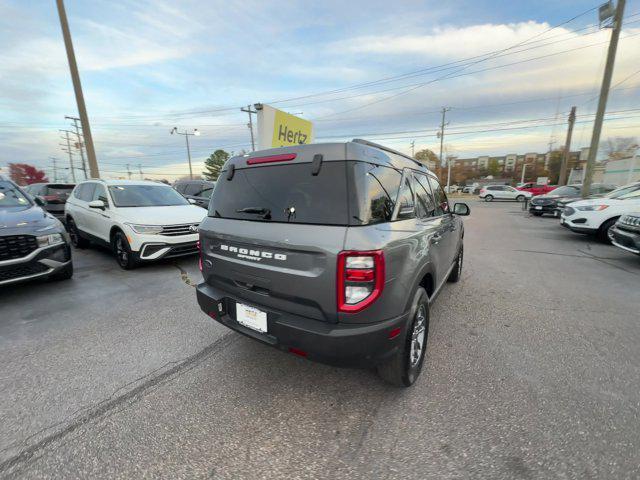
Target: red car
(536, 189)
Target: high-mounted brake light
(285, 157)
(360, 279)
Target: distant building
(511, 165)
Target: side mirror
(461, 209)
(38, 201)
(192, 201)
(96, 204)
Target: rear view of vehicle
(299, 251)
(52, 195)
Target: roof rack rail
(387, 149)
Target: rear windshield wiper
(265, 212)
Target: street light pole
(186, 134)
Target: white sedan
(503, 192)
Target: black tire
(65, 274)
(520, 198)
(74, 234)
(488, 198)
(126, 259)
(603, 231)
(456, 273)
(536, 214)
(403, 369)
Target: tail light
(50, 198)
(199, 255)
(360, 279)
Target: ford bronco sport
(333, 252)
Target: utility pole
(73, 172)
(186, 136)
(55, 169)
(567, 149)
(140, 171)
(250, 125)
(77, 87)
(128, 172)
(441, 136)
(604, 93)
(80, 143)
(413, 149)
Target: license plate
(538, 208)
(556, 213)
(251, 317)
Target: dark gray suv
(333, 252)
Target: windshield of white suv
(623, 192)
(145, 196)
(566, 191)
(10, 196)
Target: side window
(374, 193)
(206, 193)
(192, 189)
(77, 192)
(442, 204)
(180, 187)
(425, 207)
(100, 193)
(407, 208)
(86, 194)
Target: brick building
(510, 165)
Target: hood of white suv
(170, 215)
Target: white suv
(597, 215)
(503, 192)
(137, 220)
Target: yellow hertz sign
(290, 130)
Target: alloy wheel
(418, 336)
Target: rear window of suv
(284, 193)
(343, 193)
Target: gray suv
(333, 252)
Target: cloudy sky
(374, 69)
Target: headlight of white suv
(146, 229)
(592, 208)
(46, 240)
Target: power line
(234, 108)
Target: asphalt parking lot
(532, 371)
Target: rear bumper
(339, 345)
(39, 264)
(625, 240)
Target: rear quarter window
(374, 190)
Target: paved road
(533, 371)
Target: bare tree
(617, 148)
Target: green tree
(214, 164)
(494, 167)
(427, 157)
(555, 162)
